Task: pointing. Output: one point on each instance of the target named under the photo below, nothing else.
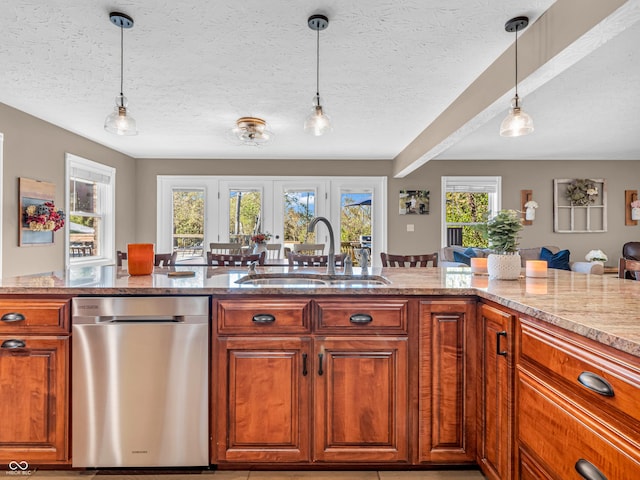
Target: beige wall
(36, 149)
(520, 175)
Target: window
(467, 201)
(188, 222)
(90, 226)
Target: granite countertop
(600, 307)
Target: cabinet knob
(588, 470)
(9, 344)
(263, 318)
(13, 317)
(596, 383)
(361, 318)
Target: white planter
(504, 267)
(635, 214)
(259, 247)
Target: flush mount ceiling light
(251, 131)
(517, 123)
(119, 122)
(317, 123)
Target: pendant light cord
(516, 64)
(318, 66)
(121, 64)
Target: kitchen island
(456, 364)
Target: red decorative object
(44, 217)
(140, 258)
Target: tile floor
(263, 475)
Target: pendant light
(517, 123)
(317, 123)
(119, 121)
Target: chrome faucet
(331, 259)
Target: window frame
(106, 205)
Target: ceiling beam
(562, 36)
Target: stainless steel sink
(312, 280)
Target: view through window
(188, 222)
(299, 209)
(245, 215)
(355, 224)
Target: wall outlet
(411, 227)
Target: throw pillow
(558, 260)
(464, 257)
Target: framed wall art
(34, 196)
(579, 205)
(414, 202)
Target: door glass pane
(188, 223)
(245, 215)
(299, 209)
(355, 224)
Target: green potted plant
(502, 231)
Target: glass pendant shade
(517, 123)
(119, 122)
(317, 123)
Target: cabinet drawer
(268, 316)
(565, 440)
(601, 382)
(33, 315)
(387, 316)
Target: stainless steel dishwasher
(140, 382)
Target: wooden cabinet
(496, 405)
(578, 411)
(447, 395)
(34, 380)
(264, 410)
(360, 400)
(263, 397)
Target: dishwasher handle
(141, 319)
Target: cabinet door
(34, 388)
(262, 400)
(360, 399)
(447, 382)
(495, 449)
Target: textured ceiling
(387, 70)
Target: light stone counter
(599, 307)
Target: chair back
(296, 259)
(308, 248)
(228, 248)
(632, 267)
(390, 260)
(120, 256)
(273, 250)
(165, 259)
(234, 260)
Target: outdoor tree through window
(299, 210)
(188, 222)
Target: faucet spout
(331, 258)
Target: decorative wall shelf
(569, 218)
(33, 192)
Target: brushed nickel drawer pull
(9, 344)
(596, 384)
(263, 318)
(360, 318)
(13, 317)
(588, 470)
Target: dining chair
(120, 256)
(234, 260)
(273, 250)
(390, 260)
(228, 248)
(308, 248)
(629, 266)
(300, 260)
(165, 259)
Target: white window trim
(480, 181)
(109, 203)
(1, 195)
(272, 190)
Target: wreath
(582, 192)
